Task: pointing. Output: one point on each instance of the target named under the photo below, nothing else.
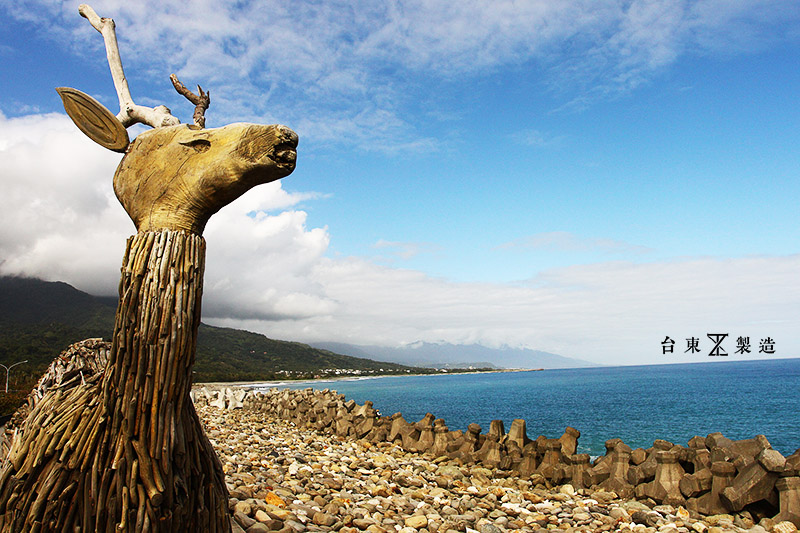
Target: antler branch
(129, 113)
(201, 102)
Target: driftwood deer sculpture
(124, 450)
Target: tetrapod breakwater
(709, 476)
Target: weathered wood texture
(201, 100)
(77, 364)
(124, 450)
(129, 112)
(178, 177)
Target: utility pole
(8, 369)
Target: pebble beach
(295, 480)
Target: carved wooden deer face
(177, 177)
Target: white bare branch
(129, 113)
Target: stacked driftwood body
(79, 362)
(711, 475)
(124, 448)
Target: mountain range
(39, 319)
(446, 355)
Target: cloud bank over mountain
(563, 176)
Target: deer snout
(276, 145)
(286, 151)
(176, 178)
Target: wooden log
(141, 511)
(146, 474)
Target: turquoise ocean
(638, 404)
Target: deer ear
(93, 119)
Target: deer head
(176, 176)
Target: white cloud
(722, 26)
(607, 312)
(268, 272)
(564, 241)
(258, 266)
(60, 220)
(535, 138)
(404, 250)
(529, 138)
(339, 61)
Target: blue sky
(576, 177)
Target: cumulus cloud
(60, 220)
(258, 263)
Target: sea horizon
(455, 371)
(638, 403)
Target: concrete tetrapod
(789, 499)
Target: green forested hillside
(225, 354)
(39, 319)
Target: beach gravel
(295, 480)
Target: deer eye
(199, 145)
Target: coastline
(637, 404)
(217, 385)
(286, 474)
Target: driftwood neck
(149, 370)
(126, 452)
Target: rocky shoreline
(295, 474)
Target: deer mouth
(285, 152)
(272, 144)
(285, 155)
